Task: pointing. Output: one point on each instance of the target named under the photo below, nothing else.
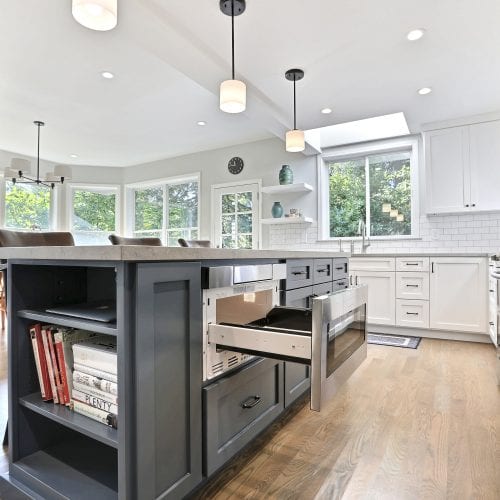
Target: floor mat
(394, 340)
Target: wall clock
(235, 165)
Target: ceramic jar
(286, 175)
(277, 210)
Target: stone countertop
(422, 254)
(135, 253)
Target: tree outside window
(27, 206)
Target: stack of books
(78, 369)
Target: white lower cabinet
(412, 285)
(458, 294)
(381, 295)
(412, 313)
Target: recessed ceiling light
(73, 155)
(424, 90)
(414, 35)
(107, 74)
(326, 111)
(201, 123)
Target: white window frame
(213, 218)
(72, 186)
(163, 183)
(368, 149)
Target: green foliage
(93, 211)
(149, 209)
(27, 206)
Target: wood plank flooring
(409, 424)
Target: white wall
(263, 160)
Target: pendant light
(295, 141)
(233, 93)
(99, 15)
(20, 169)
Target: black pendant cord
(232, 35)
(294, 107)
(38, 156)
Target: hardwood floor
(409, 424)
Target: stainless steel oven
(330, 337)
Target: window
(377, 187)
(94, 214)
(27, 206)
(168, 210)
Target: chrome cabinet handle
(251, 402)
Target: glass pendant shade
(393, 213)
(386, 207)
(233, 96)
(99, 15)
(295, 141)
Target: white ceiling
(170, 56)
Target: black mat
(404, 341)
(9, 492)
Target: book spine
(111, 377)
(62, 367)
(95, 382)
(94, 358)
(49, 366)
(55, 366)
(92, 391)
(94, 401)
(43, 363)
(96, 414)
(37, 361)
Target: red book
(55, 367)
(50, 368)
(43, 363)
(61, 361)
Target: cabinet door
(297, 381)
(485, 165)
(168, 375)
(412, 285)
(299, 298)
(381, 295)
(458, 294)
(447, 170)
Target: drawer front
(340, 269)
(323, 271)
(412, 285)
(419, 264)
(239, 407)
(298, 298)
(372, 264)
(323, 289)
(297, 381)
(340, 284)
(299, 273)
(412, 313)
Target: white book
(100, 383)
(100, 354)
(100, 416)
(112, 377)
(92, 391)
(94, 401)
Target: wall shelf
(300, 187)
(287, 220)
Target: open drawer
(330, 337)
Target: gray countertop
(422, 254)
(143, 253)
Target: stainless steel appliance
(494, 307)
(330, 337)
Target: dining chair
(194, 243)
(121, 240)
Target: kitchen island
(162, 445)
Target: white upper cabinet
(447, 170)
(463, 168)
(485, 165)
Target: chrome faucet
(362, 232)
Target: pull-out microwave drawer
(330, 337)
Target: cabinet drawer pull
(413, 286)
(412, 314)
(350, 280)
(299, 273)
(321, 270)
(251, 402)
(412, 263)
(491, 323)
(357, 277)
(339, 268)
(492, 291)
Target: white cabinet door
(412, 313)
(412, 285)
(447, 170)
(485, 165)
(381, 295)
(458, 294)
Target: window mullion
(166, 222)
(367, 197)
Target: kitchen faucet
(362, 232)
